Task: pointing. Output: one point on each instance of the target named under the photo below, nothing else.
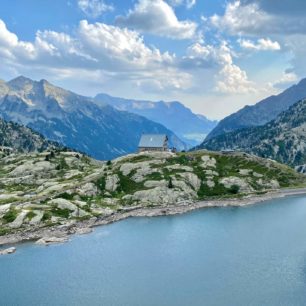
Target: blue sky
(215, 56)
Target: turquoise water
(221, 256)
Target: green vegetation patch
(66, 196)
(30, 215)
(100, 183)
(4, 231)
(127, 185)
(11, 215)
(58, 212)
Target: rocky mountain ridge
(283, 139)
(75, 121)
(18, 138)
(170, 114)
(262, 112)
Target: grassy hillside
(52, 188)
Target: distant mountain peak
(282, 139)
(173, 115)
(20, 81)
(262, 112)
(74, 120)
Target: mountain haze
(262, 112)
(190, 127)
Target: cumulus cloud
(188, 3)
(119, 55)
(249, 18)
(282, 8)
(94, 8)
(230, 78)
(157, 17)
(262, 44)
(120, 48)
(282, 21)
(287, 79)
(11, 47)
(103, 49)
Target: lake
(252, 255)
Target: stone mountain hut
(153, 142)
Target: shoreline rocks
(84, 227)
(51, 240)
(8, 251)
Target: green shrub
(170, 184)
(100, 183)
(10, 216)
(30, 215)
(3, 231)
(46, 216)
(63, 213)
(62, 164)
(66, 196)
(234, 189)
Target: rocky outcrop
(93, 190)
(112, 182)
(158, 196)
(8, 251)
(242, 184)
(283, 139)
(51, 240)
(208, 162)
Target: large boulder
(159, 196)
(8, 251)
(243, 185)
(208, 162)
(112, 182)
(89, 189)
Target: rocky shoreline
(61, 234)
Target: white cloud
(115, 53)
(106, 56)
(94, 8)
(287, 79)
(283, 22)
(11, 47)
(250, 19)
(158, 18)
(230, 78)
(119, 48)
(188, 3)
(262, 44)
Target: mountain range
(282, 139)
(75, 121)
(262, 112)
(190, 127)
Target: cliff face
(59, 188)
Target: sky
(214, 56)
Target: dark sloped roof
(152, 141)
